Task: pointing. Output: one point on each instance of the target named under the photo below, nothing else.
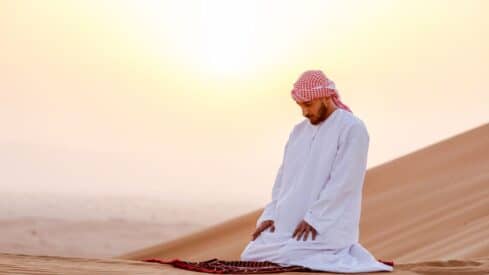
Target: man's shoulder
(347, 121)
(299, 125)
(354, 124)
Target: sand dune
(83, 238)
(102, 226)
(29, 264)
(431, 205)
(428, 211)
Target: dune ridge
(428, 211)
(428, 206)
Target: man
(313, 217)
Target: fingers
(296, 230)
(256, 234)
(262, 228)
(266, 226)
(300, 231)
(306, 233)
(303, 230)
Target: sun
(213, 36)
(228, 37)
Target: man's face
(315, 110)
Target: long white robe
(320, 180)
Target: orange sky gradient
(174, 98)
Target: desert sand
(429, 205)
(28, 264)
(428, 211)
(99, 226)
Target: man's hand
(303, 228)
(263, 226)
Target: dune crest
(428, 206)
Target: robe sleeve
(269, 209)
(345, 180)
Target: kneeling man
(313, 217)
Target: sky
(190, 100)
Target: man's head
(318, 109)
(316, 94)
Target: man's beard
(322, 114)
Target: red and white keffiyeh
(314, 84)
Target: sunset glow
(196, 94)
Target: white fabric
(320, 180)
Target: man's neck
(331, 109)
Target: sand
(428, 211)
(429, 205)
(82, 238)
(28, 264)
(104, 226)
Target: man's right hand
(263, 226)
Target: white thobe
(320, 181)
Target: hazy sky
(193, 97)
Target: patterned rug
(237, 267)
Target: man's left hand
(303, 229)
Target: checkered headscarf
(314, 84)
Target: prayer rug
(237, 267)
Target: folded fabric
(237, 267)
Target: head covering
(314, 84)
